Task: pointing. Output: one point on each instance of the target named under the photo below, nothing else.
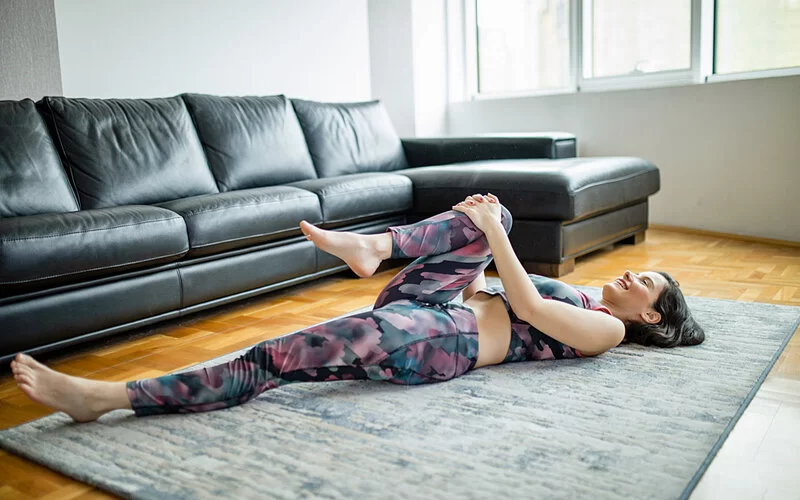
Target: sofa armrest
(444, 150)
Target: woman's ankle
(383, 245)
(109, 396)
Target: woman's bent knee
(505, 218)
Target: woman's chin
(607, 288)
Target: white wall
(392, 61)
(408, 55)
(729, 153)
(314, 49)
(28, 50)
(429, 43)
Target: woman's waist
(488, 307)
(494, 326)
(522, 340)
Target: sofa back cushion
(348, 138)
(129, 151)
(250, 141)
(32, 179)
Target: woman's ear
(651, 317)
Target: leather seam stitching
(371, 214)
(534, 190)
(609, 181)
(89, 230)
(196, 212)
(261, 235)
(377, 188)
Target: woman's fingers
(476, 198)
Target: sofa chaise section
(563, 207)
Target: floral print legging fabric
(413, 335)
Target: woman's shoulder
(554, 289)
(551, 288)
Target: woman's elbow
(603, 344)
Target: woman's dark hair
(677, 326)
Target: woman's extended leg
(401, 343)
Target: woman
(414, 334)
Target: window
(756, 35)
(546, 46)
(523, 45)
(629, 37)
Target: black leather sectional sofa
(115, 214)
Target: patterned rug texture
(632, 423)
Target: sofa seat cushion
(236, 219)
(565, 189)
(351, 198)
(43, 251)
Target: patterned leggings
(413, 335)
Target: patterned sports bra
(530, 344)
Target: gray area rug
(633, 423)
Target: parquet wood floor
(758, 460)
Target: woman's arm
(590, 332)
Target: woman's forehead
(656, 277)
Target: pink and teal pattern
(412, 336)
(451, 253)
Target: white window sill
(489, 96)
(752, 75)
(641, 82)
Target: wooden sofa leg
(634, 239)
(549, 269)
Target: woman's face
(633, 296)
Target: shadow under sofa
(119, 213)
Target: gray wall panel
(29, 63)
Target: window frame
(701, 69)
(471, 51)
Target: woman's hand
(483, 211)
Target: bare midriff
(494, 328)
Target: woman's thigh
(433, 343)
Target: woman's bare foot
(362, 252)
(82, 399)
